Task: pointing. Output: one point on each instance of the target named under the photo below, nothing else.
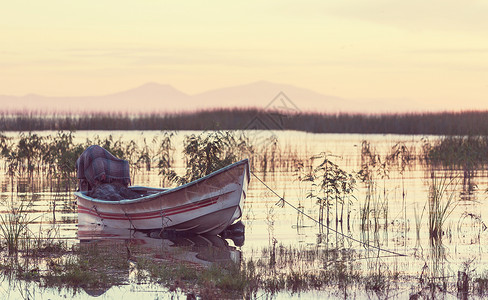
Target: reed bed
(435, 123)
(469, 152)
(54, 156)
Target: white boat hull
(205, 206)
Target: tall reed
(440, 205)
(14, 224)
(164, 153)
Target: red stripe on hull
(149, 215)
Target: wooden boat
(204, 206)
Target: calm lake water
(397, 218)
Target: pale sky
(435, 52)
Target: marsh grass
(58, 154)
(25, 156)
(99, 266)
(209, 151)
(220, 280)
(52, 264)
(441, 204)
(373, 210)
(467, 122)
(418, 222)
(46, 242)
(14, 225)
(280, 268)
(164, 154)
(469, 152)
(89, 266)
(295, 269)
(315, 268)
(54, 156)
(375, 169)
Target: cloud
(451, 51)
(250, 57)
(416, 15)
(421, 15)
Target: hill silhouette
(160, 98)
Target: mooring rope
(323, 225)
(128, 217)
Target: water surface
(398, 207)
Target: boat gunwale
(82, 194)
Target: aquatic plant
(206, 153)
(29, 149)
(6, 146)
(370, 211)
(145, 156)
(418, 222)
(164, 152)
(89, 266)
(60, 154)
(269, 154)
(46, 242)
(14, 224)
(401, 155)
(441, 204)
(330, 184)
(116, 147)
(469, 152)
(53, 155)
(216, 280)
(375, 205)
(374, 173)
(25, 156)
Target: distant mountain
(148, 98)
(262, 94)
(153, 93)
(154, 97)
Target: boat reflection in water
(199, 251)
(202, 250)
